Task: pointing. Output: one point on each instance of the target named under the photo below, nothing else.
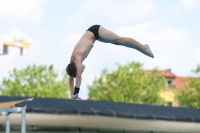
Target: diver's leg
(107, 36)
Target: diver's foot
(147, 51)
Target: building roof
(109, 109)
(179, 81)
(168, 74)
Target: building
(87, 116)
(172, 87)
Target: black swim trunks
(95, 30)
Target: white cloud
(122, 10)
(70, 41)
(161, 61)
(197, 52)
(14, 34)
(20, 10)
(190, 3)
(96, 11)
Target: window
(169, 82)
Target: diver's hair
(71, 69)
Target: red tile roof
(168, 74)
(179, 81)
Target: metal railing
(6, 111)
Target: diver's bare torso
(83, 47)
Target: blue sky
(170, 27)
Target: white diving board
(6, 108)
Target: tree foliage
(190, 94)
(36, 81)
(129, 83)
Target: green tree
(129, 83)
(189, 96)
(36, 81)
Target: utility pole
(21, 44)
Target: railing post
(8, 123)
(23, 120)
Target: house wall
(169, 96)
